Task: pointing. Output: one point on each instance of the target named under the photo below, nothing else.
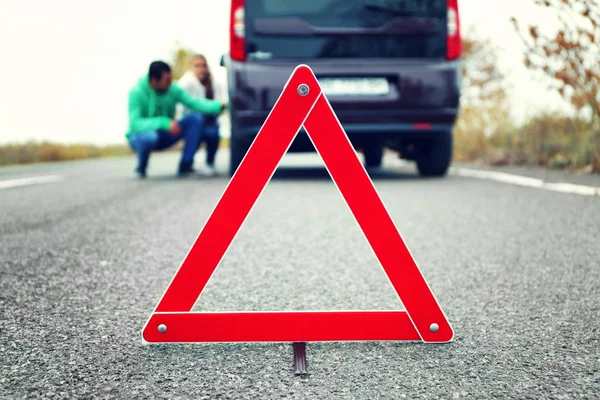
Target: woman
(199, 83)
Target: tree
(179, 60)
(569, 57)
(482, 80)
(484, 107)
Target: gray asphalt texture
(84, 261)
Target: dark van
(390, 69)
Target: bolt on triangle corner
(301, 103)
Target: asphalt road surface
(87, 251)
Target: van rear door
(317, 29)
(376, 59)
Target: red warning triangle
(302, 103)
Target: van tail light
(453, 40)
(422, 125)
(237, 31)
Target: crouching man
(152, 127)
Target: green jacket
(151, 111)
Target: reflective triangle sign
(302, 103)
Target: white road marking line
(501, 177)
(298, 160)
(33, 180)
(562, 187)
(571, 188)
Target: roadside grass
(33, 152)
(546, 140)
(41, 152)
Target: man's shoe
(141, 173)
(185, 169)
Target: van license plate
(355, 86)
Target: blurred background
(530, 67)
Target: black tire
(237, 151)
(436, 155)
(373, 155)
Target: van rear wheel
(373, 155)
(435, 155)
(237, 151)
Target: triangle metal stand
(300, 367)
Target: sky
(67, 65)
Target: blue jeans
(212, 138)
(192, 130)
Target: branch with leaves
(482, 80)
(569, 56)
(179, 60)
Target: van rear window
(346, 28)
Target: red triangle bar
(174, 322)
